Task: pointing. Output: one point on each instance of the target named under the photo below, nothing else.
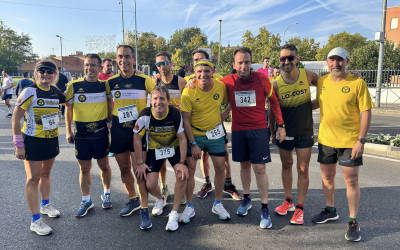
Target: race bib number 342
(245, 98)
(128, 113)
(50, 121)
(162, 153)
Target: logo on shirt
(82, 98)
(80, 90)
(301, 83)
(345, 89)
(117, 94)
(151, 128)
(216, 96)
(116, 86)
(40, 102)
(197, 100)
(323, 88)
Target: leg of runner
(245, 176)
(189, 210)
(219, 182)
(229, 188)
(179, 191)
(328, 172)
(125, 165)
(262, 181)
(85, 178)
(154, 190)
(163, 176)
(106, 178)
(205, 168)
(287, 181)
(350, 175)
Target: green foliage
(15, 49)
(345, 40)
(265, 44)
(182, 37)
(385, 139)
(108, 54)
(176, 58)
(307, 48)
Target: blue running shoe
(145, 223)
(265, 219)
(106, 198)
(131, 206)
(244, 207)
(84, 208)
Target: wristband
(18, 141)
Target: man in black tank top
(175, 84)
(297, 114)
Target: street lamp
(136, 39)
(283, 41)
(219, 49)
(62, 68)
(122, 13)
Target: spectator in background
(6, 91)
(265, 67)
(23, 83)
(107, 69)
(62, 86)
(277, 72)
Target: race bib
(215, 133)
(50, 121)
(245, 98)
(128, 113)
(162, 153)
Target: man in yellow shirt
(342, 98)
(201, 113)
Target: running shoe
(265, 219)
(353, 231)
(111, 154)
(9, 116)
(205, 189)
(284, 208)
(184, 200)
(324, 216)
(158, 209)
(131, 206)
(172, 224)
(50, 210)
(165, 192)
(40, 227)
(106, 198)
(186, 215)
(231, 190)
(84, 208)
(221, 212)
(244, 207)
(298, 217)
(145, 222)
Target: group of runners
(184, 124)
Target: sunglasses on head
(48, 71)
(164, 63)
(290, 58)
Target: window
(394, 22)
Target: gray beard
(336, 73)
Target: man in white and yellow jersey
(293, 90)
(342, 98)
(175, 84)
(89, 104)
(129, 90)
(202, 121)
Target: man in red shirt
(107, 70)
(265, 68)
(247, 92)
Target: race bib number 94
(50, 121)
(215, 133)
(245, 98)
(162, 153)
(128, 113)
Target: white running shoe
(220, 211)
(186, 215)
(40, 227)
(172, 224)
(50, 210)
(158, 208)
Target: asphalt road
(105, 229)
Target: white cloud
(189, 12)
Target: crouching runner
(167, 140)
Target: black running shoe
(353, 231)
(324, 216)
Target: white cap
(338, 51)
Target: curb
(387, 112)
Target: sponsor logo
(82, 98)
(117, 94)
(197, 100)
(151, 128)
(40, 102)
(323, 88)
(216, 96)
(116, 87)
(301, 83)
(52, 102)
(345, 89)
(80, 90)
(76, 152)
(264, 158)
(346, 161)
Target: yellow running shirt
(341, 104)
(204, 106)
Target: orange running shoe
(284, 208)
(298, 217)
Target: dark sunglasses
(48, 71)
(290, 58)
(164, 63)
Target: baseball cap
(48, 65)
(338, 51)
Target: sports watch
(362, 140)
(191, 144)
(282, 125)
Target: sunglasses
(164, 63)
(48, 71)
(290, 58)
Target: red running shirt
(104, 77)
(251, 117)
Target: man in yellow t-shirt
(342, 98)
(201, 113)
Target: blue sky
(75, 20)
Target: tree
(181, 37)
(15, 49)
(225, 67)
(307, 48)
(345, 40)
(108, 54)
(194, 44)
